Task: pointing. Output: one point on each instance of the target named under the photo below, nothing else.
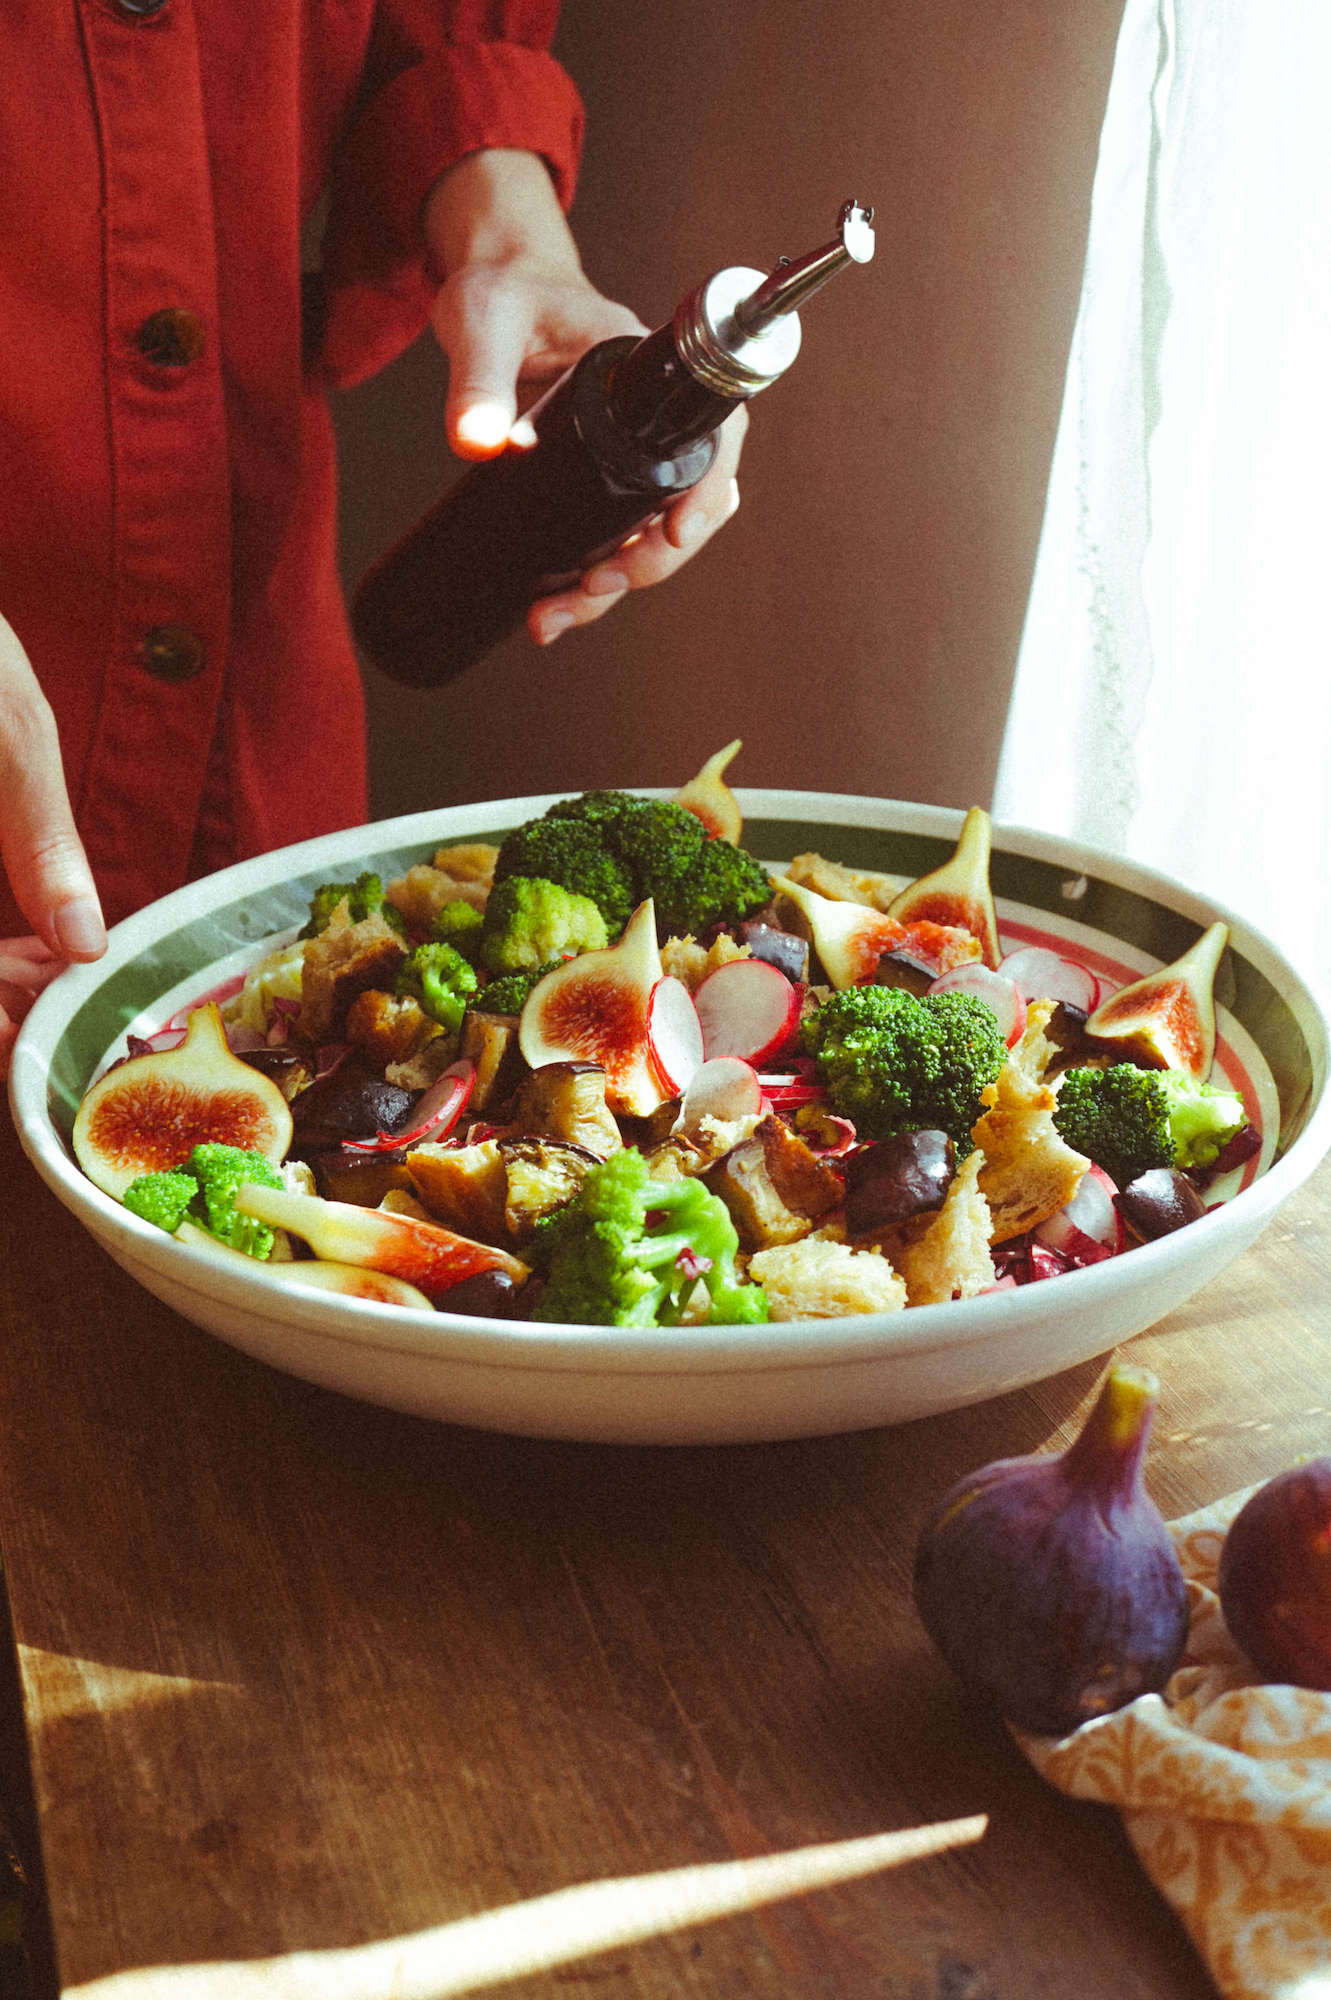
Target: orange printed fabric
(1225, 1789)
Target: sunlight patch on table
(535, 1936)
(73, 1687)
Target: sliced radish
(436, 1112)
(724, 1089)
(1089, 1227)
(1042, 1262)
(1039, 974)
(674, 1033)
(786, 1090)
(748, 1008)
(997, 992)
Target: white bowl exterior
(679, 1386)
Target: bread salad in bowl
(611, 1069)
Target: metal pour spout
(793, 282)
(739, 331)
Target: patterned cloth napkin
(1225, 1790)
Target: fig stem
(1108, 1450)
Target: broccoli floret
(363, 898)
(1203, 1117)
(219, 1171)
(203, 1190)
(694, 880)
(458, 924)
(726, 886)
(1131, 1120)
(630, 1251)
(163, 1197)
(441, 981)
(894, 1061)
(574, 855)
(530, 922)
(508, 993)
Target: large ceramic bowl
(692, 1384)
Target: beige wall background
(857, 622)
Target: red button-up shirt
(167, 498)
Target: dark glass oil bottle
(629, 428)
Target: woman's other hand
(42, 854)
(26, 966)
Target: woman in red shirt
(178, 687)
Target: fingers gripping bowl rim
(710, 1384)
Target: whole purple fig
(1275, 1576)
(1049, 1583)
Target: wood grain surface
(300, 1673)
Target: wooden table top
(299, 1673)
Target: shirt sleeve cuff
(462, 99)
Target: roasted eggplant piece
(490, 1045)
(352, 1101)
(465, 1187)
(566, 1100)
(776, 1187)
(540, 1176)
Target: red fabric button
(173, 653)
(173, 337)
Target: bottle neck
(659, 402)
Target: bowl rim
(686, 1350)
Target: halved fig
(595, 1008)
(851, 939)
(316, 1274)
(710, 798)
(1167, 1018)
(425, 1254)
(151, 1111)
(958, 893)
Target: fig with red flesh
(315, 1274)
(425, 1254)
(1275, 1576)
(151, 1111)
(709, 798)
(1167, 1018)
(1049, 1583)
(597, 1008)
(851, 938)
(958, 893)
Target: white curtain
(1173, 692)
